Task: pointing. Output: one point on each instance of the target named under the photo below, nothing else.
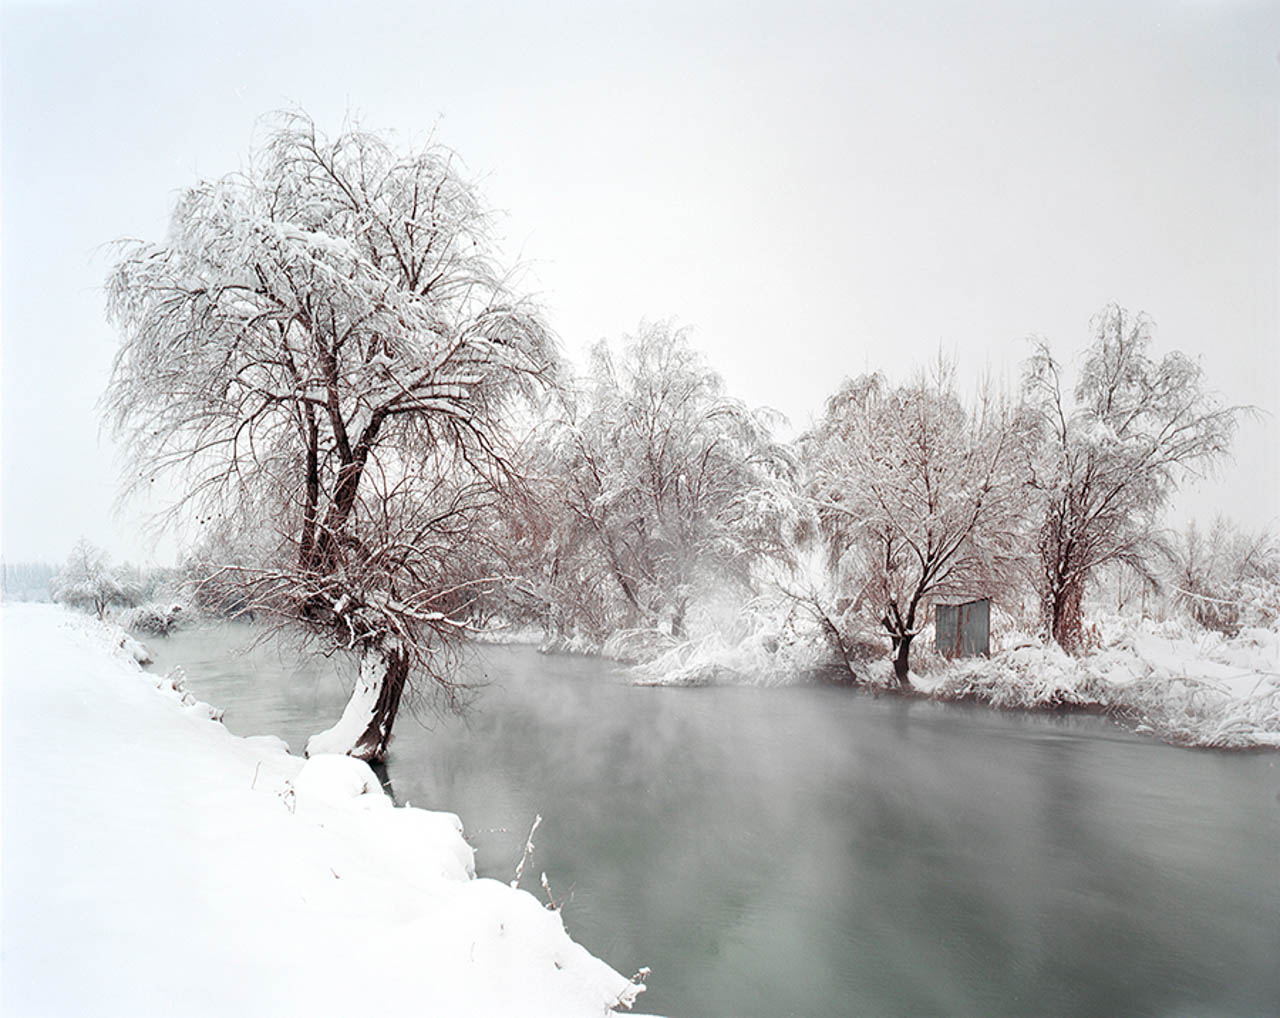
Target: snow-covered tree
(916, 497)
(1110, 458)
(1226, 578)
(325, 356)
(667, 487)
(88, 583)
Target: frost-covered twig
(528, 851)
(552, 903)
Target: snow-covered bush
(1226, 579)
(638, 645)
(573, 641)
(773, 640)
(1037, 676)
(157, 618)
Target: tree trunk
(902, 659)
(1063, 582)
(900, 635)
(306, 546)
(677, 621)
(1065, 622)
(364, 731)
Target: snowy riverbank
(1169, 679)
(156, 864)
(1181, 684)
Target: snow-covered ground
(154, 864)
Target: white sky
(816, 189)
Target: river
(817, 852)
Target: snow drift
(156, 864)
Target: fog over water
(812, 851)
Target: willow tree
(325, 357)
(670, 491)
(917, 497)
(1111, 455)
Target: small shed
(963, 628)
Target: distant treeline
(26, 581)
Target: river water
(817, 852)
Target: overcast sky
(815, 190)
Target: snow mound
(135, 649)
(516, 935)
(424, 844)
(339, 781)
(268, 743)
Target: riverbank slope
(156, 864)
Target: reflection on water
(815, 852)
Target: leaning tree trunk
(364, 730)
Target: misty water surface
(818, 852)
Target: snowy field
(154, 864)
